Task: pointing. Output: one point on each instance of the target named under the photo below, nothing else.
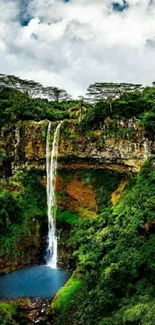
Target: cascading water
(51, 168)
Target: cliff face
(93, 170)
(25, 147)
(29, 250)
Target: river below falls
(35, 282)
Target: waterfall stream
(51, 168)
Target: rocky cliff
(23, 146)
(93, 169)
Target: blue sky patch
(24, 17)
(120, 7)
(25, 21)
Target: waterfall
(51, 168)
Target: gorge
(40, 282)
(104, 192)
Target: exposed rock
(25, 145)
(36, 311)
(81, 193)
(31, 253)
(116, 194)
(77, 196)
(66, 260)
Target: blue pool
(35, 282)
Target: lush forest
(113, 283)
(27, 100)
(114, 280)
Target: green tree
(32, 88)
(109, 91)
(56, 94)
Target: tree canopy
(33, 89)
(26, 99)
(56, 94)
(109, 91)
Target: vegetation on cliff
(28, 100)
(115, 254)
(114, 245)
(139, 104)
(22, 218)
(16, 105)
(12, 314)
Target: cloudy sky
(73, 43)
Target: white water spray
(51, 168)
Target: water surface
(35, 282)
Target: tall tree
(56, 94)
(32, 88)
(109, 91)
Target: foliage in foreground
(116, 261)
(10, 314)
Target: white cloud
(73, 44)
